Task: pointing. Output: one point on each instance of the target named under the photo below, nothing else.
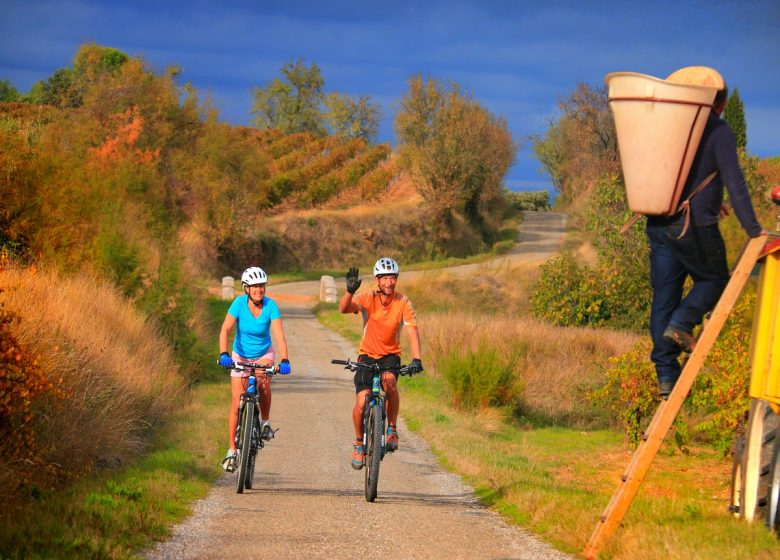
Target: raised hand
(353, 280)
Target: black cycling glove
(353, 280)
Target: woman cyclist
(255, 317)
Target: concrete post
(227, 287)
(328, 291)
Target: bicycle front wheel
(247, 418)
(374, 435)
(250, 468)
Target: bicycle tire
(246, 444)
(373, 450)
(250, 469)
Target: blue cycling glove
(284, 367)
(225, 360)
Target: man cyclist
(255, 317)
(385, 312)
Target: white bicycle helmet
(253, 276)
(385, 265)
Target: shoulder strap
(685, 205)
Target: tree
(8, 92)
(292, 103)
(580, 146)
(734, 114)
(457, 151)
(353, 118)
(67, 86)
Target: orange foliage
(129, 126)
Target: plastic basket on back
(659, 124)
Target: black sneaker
(683, 340)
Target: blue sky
(515, 57)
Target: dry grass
(557, 361)
(118, 375)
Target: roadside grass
(116, 513)
(547, 476)
(556, 482)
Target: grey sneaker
(266, 431)
(229, 462)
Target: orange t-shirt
(382, 324)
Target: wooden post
(668, 410)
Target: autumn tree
(352, 117)
(291, 103)
(66, 87)
(7, 91)
(580, 145)
(734, 114)
(457, 151)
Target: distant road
(308, 502)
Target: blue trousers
(700, 254)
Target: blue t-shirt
(253, 334)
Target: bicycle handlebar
(241, 366)
(353, 366)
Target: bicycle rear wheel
(373, 450)
(247, 418)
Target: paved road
(308, 502)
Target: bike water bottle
(252, 388)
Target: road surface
(308, 502)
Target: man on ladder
(689, 243)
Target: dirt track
(308, 502)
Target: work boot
(683, 340)
(665, 388)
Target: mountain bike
(374, 422)
(249, 436)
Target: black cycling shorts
(364, 377)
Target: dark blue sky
(515, 57)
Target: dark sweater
(717, 151)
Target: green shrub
(528, 200)
(484, 377)
(720, 395)
(717, 407)
(629, 394)
(616, 293)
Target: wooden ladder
(668, 409)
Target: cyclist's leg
(358, 450)
(264, 386)
(357, 413)
(237, 388)
(392, 398)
